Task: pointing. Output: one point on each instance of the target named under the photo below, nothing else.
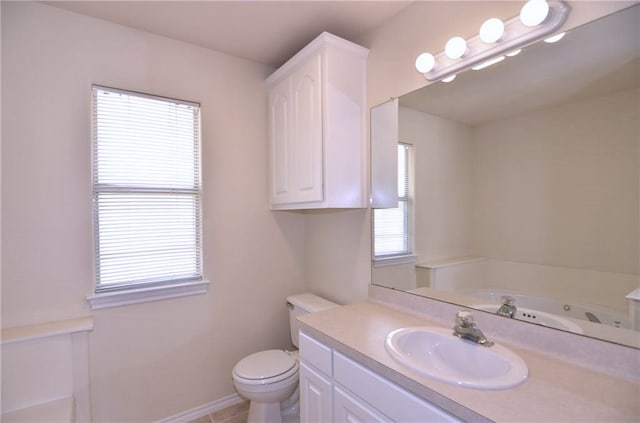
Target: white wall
(153, 360)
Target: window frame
(116, 294)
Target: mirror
(524, 183)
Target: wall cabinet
(316, 112)
(334, 388)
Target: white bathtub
(530, 304)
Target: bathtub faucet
(508, 308)
(592, 317)
(465, 328)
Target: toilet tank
(302, 304)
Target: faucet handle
(507, 299)
(464, 318)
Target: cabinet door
(390, 399)
(348, 409)
(306, 136)
(315, 396)
(280, 142)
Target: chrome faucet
(507, 309)
(465, 328)
(592, 317)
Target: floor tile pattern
(234, 414)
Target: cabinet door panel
(315, 396)
(306, 139)
(280, 127)
(348, 409)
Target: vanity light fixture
(534, 12)
(449, 78)
(492, 30)
(425, 62)
(455, 48)
(488, 63)
(537, 19)
(555, 38)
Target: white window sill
(394, 260)
(144, 295)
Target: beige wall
(153, 360)
(443, 183)
(556, 187)
(398, 276)
(338, 254)
(549, 192)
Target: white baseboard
(203, 410)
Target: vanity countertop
(555, 390)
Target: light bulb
(513, 53)
(449, 78)
(491, 30)
(455, 48)
(425, 62)
(555, 38)
(488, 63)
(534, 12)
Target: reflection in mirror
(525, 192)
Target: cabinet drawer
(315, 353)
(392, 400)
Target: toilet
(269, 379)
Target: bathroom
(154, 360)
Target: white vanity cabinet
(316, 123)
(316, 395)
(334, 388)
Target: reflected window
(392, 227)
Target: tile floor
(234, 414)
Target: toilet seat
(265, 367)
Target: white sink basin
(437, 353)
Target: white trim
(143, 295)
(634, 295)
(42, 330)
(394, 260)
(203, 410)
(450, 262)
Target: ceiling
(268, 32)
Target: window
(392, 227)
(146, 191)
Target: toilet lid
(264, 365)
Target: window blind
(391, 226)
(146, 189)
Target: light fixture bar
(516, 35)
